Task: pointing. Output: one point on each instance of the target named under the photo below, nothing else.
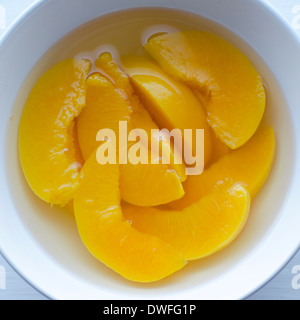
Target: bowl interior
(54, 231)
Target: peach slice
(223, 78)
(201, 229)
(48, 147)
(249, 165)
(140, 118)
(112, 239)
(107, 105)
(105, 108)
(170, 103)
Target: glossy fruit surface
(48, 146)
(223, 78)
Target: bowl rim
(32, 9)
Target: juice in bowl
(112, 77)
(126, 50)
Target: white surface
(279, 288)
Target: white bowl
(43, 245)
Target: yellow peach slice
(223, 78)
(141, 184)
(112, 239)
(170, 103)
(201, 229)
(105, 108)
(48, 147)
(249, 165)
(140, 118)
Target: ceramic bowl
(42, 243)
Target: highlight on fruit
(115, 150)
(183, 141)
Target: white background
(280, 288)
